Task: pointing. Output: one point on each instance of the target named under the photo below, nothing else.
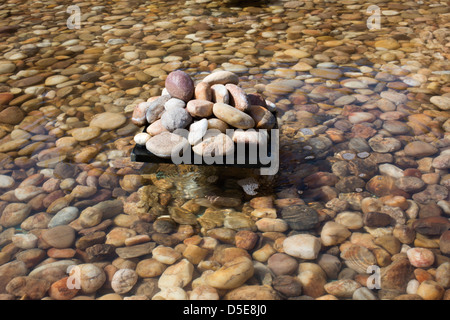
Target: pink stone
(180, 85)
(420, 257)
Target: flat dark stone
(9, 29)
(431, 226)
(135, 251)
(300, 217)
(91, 76)
(100, 252)
(377, 219)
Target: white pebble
(124, 280)
(6, 182)
(412, 286)
(197, 131)
(141, 138)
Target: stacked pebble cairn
(207, 110)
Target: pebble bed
(364, 147)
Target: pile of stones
(198, 116)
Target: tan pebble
(203, 91)
(263, 254)
(177, 275)
(194, 254)
(200, 108)
(165, 255)
(149, 268)
(232, 274)
(430, 290)
(218, 124)
(252, 292)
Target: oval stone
(200, 108)
(64, 217)
(180, 85)
(108, 120)
(166, 143)
(54, 80)
(59, 237)
(86, 133)
(141, 138)
(233, 116)
(6, 182)
(420, 149)
(232, 274)
(221, 77)
(11, 115)
(7, 67)
(441, 102)
(332, 74)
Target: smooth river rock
(233, 116)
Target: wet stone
(384, 145)
(302, 246)
(64, 170)
(300, 217)
(59, 237)
(108, 120)
(90, 76)
(11, 115)
(221, 77)
(86, 133)
(441, 102)
(431, 226)
(410, 184)
(135, 251)
(377, 219)
(420, 149)
(100, 252)
(332, 74)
